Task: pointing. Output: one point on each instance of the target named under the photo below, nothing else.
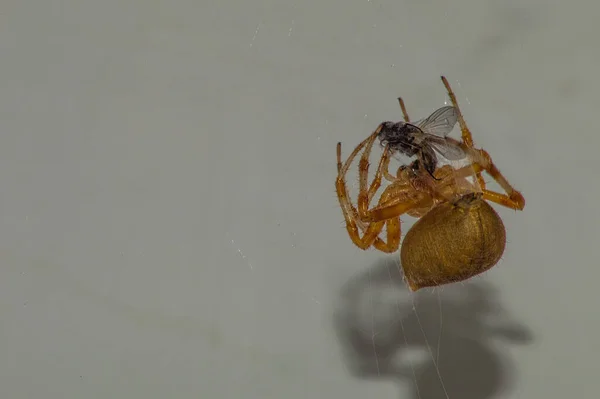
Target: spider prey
(424, 138)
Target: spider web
(383, 313)
(385, 308)
(380, 313)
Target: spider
(458, 232)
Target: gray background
(169, 222)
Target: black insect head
(407, 139)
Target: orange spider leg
(393, 227)
(467, 137)
(370, 231)
(394, 201)
(398, 198)
(340, 184)
(353, 222)
(451, 183)
(365, 194)
(393, 237)
(392, 196)
(354, 225)
(386, 172)
(393, 230)
(342, 170)
(376, 183)
(512, 199)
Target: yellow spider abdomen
(452, 242)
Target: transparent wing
(440, 123)
(448, 150)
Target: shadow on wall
(387, 332)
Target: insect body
(424, 138)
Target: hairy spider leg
(353, 223)
(388, 209)
(512, 199)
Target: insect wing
(447, 149)
(440, 123)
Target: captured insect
(458, 234)
(424, 138)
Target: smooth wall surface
(169, 225)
